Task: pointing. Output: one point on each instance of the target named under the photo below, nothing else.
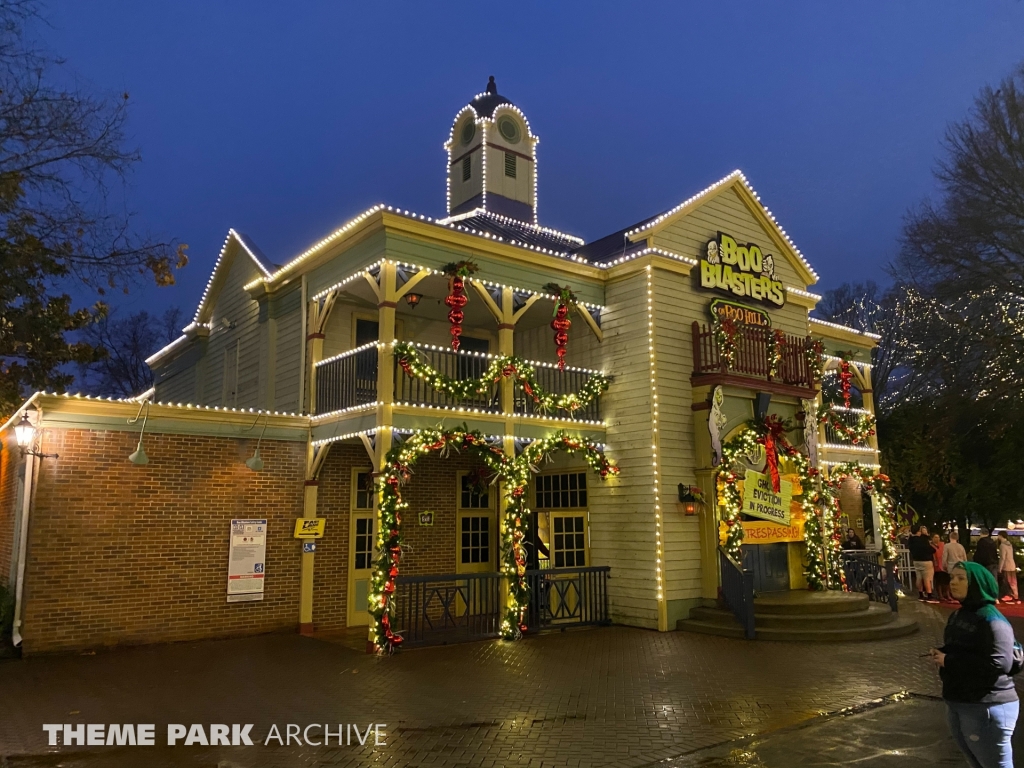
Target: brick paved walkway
(601, 697)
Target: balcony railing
(849, 417)
(350, 379)
(447, 608)
(751, 357)
(347, 380)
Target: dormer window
(510, 165)
(467, 167)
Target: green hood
(982, 588)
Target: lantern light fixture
(25, 435)
(690, 498)
(412, 299)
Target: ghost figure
(712, 252)
(768, 266)
(716, 423)
(811, 431)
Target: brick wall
(9, 462)
(432, 549)
(130, 554)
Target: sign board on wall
(758, 532)
(247, 559)
(760, 501)
(310, 527)
(740, 269)
(740, 314)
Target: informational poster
(247, 560)
(761, 501)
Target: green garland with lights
(776, 341)
(857, 433)
(814, 354)
(725, 339)
(507, 366)
(877, 484)
(513, 473)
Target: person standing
(1007, 569)
(941, 575)
(953, 552)
(852, 540)
(922, 553)
(975, 662)
(986, 553)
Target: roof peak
(485, 103)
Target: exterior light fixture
(25, 435)
(412, 299)
(138, 456)
(690, 498)
(255, 462)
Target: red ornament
(456, 299)
(561, 325)
(845, 377)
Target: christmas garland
(877, 484)
(507, 366)
(814, 353)
(776, 341)
(845, 380)
(750, 443)
(857, 433)
(725, 337)
(514, 474)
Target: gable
(732, 207)
(237, 249)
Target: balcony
(793, 377)
(350, 380)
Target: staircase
(804, 616)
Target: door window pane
(562, 491)
(364, 490)
(472, 496)
(475, 539)
(569, 541)
(364, 543)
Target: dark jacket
(921, 548)
(978, 643)
(986, 552)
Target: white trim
(837, 326)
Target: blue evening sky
(285, 119)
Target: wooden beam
(368, 445)
(373, 285)
(522, 310)
(488, 300)
(590, 321)
(319, 456)
(324, 312)
(412, 282)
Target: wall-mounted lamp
(412, 299)
(690, 498)
(25, 434)
(138, 456)
(255, 462)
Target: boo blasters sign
(742, 270)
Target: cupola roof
(485, 103)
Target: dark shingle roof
(520, 232)
(613, 246)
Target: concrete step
(806, 601)
(873, 615)
(897, 628)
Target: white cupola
(492, 159)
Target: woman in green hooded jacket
(974, 664)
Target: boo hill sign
(759, 500)
(742, 270)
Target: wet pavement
(603, 697)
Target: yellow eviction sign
(310, 528)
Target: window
(364, 490)
(471, 496)
(476, 539)
(467, 167)
(510, 165)
(364, 543)
(366, 331)
(569, 547)
(563, 491)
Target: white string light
(817, 321)
(843, 447)
(654, 434)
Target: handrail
(864, 573)
(738, 591)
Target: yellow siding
(728, 213)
